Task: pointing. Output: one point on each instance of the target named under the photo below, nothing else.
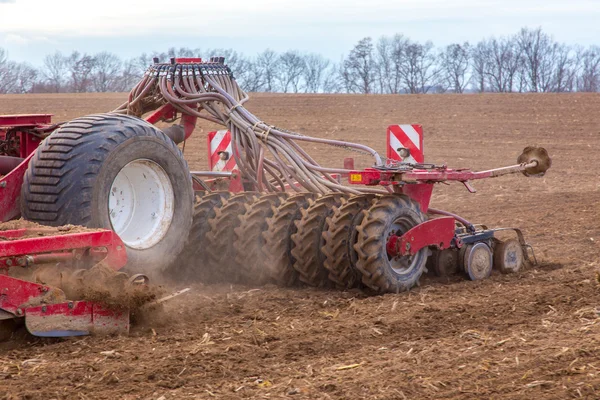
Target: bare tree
(589, 74)
(106, 72)
(79, 67)
(54, 71)
(358, 69)
(314, 72)
(332, 80)
(503, 63)
(418, 69)
(538, 51)
(290, 69)
(267, 63)
(390, 56)
(479, 66)
(454, 66)
(7, 73)
(565, 69)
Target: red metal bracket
(10, 191)
(437, 232)
(116, 254)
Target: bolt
(19, 311)
(2, 184)
(44, 308)
(9, 262)
(153, 215)
(70, 305)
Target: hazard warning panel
(405, 143)
(220, 155)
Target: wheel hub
(140, 203)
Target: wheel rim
(479, 261)
(513, 256)
(401, 264)
(140, 204)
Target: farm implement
(265, 211)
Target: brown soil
(530, 335)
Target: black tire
(191, 262)
(373, 261)
(339, 239)
(308, 239)
(278, 242)
(220, 251)
(69, 180)
(249, 243)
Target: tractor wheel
(392, 214)
(249, 243)
(308, 240)
(279, 245)
(219, 239)
(115, 172)
(191, 263)
(508, 256)
(339, 239)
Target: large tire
(308, 240)
(339, 239)
(278, 242)
(389, 214)
(70, 178)
(191, 264)
(219, 239)
(249, 242)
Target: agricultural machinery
(110, 191)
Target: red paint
(24, 120)
(188, 60)
(10, 191)
(420, 192)
(437, 232)
(116, 256)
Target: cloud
(7, 1)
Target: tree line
(528, 61)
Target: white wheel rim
(140, 204)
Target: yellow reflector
(355, 178)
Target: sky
(30, 29)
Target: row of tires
(331, 240)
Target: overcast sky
(30, 29)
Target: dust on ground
(534, 334)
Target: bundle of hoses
(268, 157)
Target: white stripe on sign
(216, 140)
(395, 145)
(412, 134)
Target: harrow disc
(508, 256)
(278, 248)
(339, 239)
(308, 240)
(249, 244)
(219, 239)
(478, 261)
(445, 262)
(392, 214)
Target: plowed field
(532, 335)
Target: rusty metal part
(537, 155)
